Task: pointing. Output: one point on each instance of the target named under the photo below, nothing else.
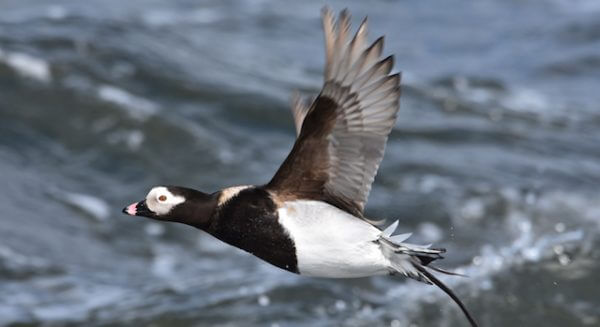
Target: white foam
(92, 205)
(27, 65)
(498, 102)
(472, 93)
(526, 242)
(135, 139)
(578, 6)
(154, 229)
(79, 304)
(430, 183)
(263, 300)
(525, 100)
(18, 261)
(137, 107)
(491, 261)
(56, 12)
(164, 17)
(163, 265)
(473, 209)
(159, 18)
(430, 232)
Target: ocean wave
(137, 107)
(93, 206)
(27, 65)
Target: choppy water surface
(495, 156)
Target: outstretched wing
(342, 135)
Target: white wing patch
(230, 192)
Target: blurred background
(495, 156)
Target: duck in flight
(309, 218)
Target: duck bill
(138, 209)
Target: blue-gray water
(495, 156)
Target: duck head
(177, 204)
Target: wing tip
(299, 110)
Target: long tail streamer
(447, 290)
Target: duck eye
(162, 198)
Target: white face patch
(160, 201)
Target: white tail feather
(390, 229)
(400, 238)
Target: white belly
(332, 243)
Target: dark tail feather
(447, 290)
(446, 272)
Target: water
(495, 156)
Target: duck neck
(199, 209)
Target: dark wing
(343, 133)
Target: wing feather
(342, 135)
(299, 111)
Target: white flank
(160, 200)
(230, 192)
(332, 243)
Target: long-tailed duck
(309, 218)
